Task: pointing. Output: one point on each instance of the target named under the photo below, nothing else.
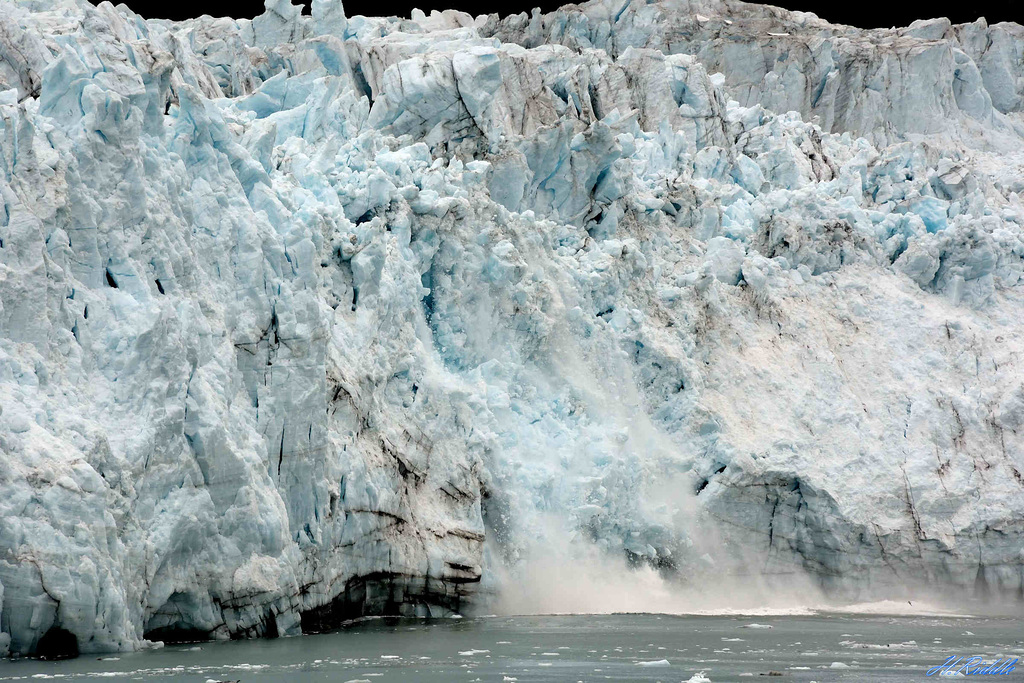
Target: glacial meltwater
(619, 647)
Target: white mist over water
(589, 582)
(561, 573)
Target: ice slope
(305, 318)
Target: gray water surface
(571, 648)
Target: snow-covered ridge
(305, 318)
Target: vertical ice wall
(304, 318)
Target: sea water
(620, 647)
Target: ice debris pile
(309, 317)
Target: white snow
(301, 312)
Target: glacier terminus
(306, 318)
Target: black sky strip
(863, 13)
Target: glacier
(306, 318)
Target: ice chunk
(725, 257)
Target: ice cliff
(309, 317)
